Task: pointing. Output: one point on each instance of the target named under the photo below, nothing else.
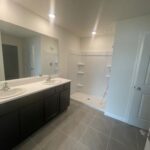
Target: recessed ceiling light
(93, 33)
(52, 16)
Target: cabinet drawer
(49, 92)
(9, 107)
(66, 86)
(63, 87)
(59, 88)
(30, 99)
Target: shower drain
(88, 99)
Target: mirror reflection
(26, 53)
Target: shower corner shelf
(80, 85)
(81, 64)
(80, 73)
(108, 76)
(109, 66)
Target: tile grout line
(77, 140)
(137, 140)
(122, 143)
(109, 138)
(87, 126)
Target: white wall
(95, 68)
(94, 79)
(124, 55)
(15, 41)
(2, 76)
(12, 13)
(97, 43)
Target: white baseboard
(116, 117)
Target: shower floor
(94, 102)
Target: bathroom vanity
(23, 114)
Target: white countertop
(32, 88)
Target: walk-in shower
(90, 74)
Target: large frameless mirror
(24, 53)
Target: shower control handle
(138, 88)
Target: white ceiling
(81, 16)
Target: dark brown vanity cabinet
(51, 104)
(64, 96)
(64, 99)
(9, 130)
(31, 114)
(21, 117)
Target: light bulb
(52, 16)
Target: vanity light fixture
(93, 33)
(51, 16)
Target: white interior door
(147, 146)
(140, 110)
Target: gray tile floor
(83, 128)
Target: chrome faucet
(49, 78)
(5, 86)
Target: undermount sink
(52, 82)
(11, 92)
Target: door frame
(142, 37)
(18, 58)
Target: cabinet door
(51, 106)
(64, 99)
(9, 130)
(31, 117)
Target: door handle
(138, 88)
